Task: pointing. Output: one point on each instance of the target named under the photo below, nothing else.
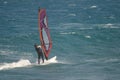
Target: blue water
(85, 36)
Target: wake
(50, 61)
(20, 63)
(26, 63)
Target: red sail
(45, 38)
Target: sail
(45, 38)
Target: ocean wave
(75, 26)
(5, 2)
(72, 5)
(103, 60)
(88, 26)
(72, 14)
(27, 63)
(7, 52)
(20, 63)
(111, 60)
(94, 6)
(62, 10)
(52, 60)
(67, 33)
(87, 36)
(109, 25)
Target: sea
(85, 36)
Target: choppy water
(85, 36)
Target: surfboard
(45, 39)
(50, 61)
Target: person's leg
(38, 59)
(42, 57)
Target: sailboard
(45, 39)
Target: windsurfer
(39, 52)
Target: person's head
(35, 45)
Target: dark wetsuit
(40, 54)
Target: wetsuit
(40, 54)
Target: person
(39, 52)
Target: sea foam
(20, 63)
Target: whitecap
(7, 52)
(111, 60)
(20, 63)
(65, 33)
(72, 14)
(5, 2)
(88, 37)
(93, 6)
(109, 25)
(50, 61)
